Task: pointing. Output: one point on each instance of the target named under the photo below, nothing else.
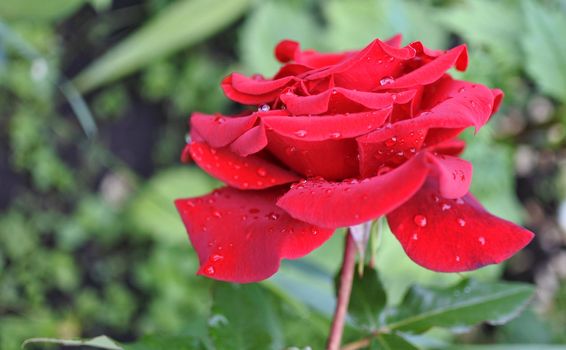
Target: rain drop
(458, 258)
(420, 220)
(300, 133)
(273, 216)
(461, 222)
(335, 135)
(217, 257)
(262, 172)
(446, 207)
(386, 81)
(263, 108)
(482, 240)
(210, 270)
(415, 236)
(314, 231)
(461, 90)
(391, 142)
(460, 201)
(216, 214)
(219, 120)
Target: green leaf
(269, 23)
(463, 305)
(545, 48)
(152, 210)
(160, 342)
(42, 10)
(101, 342)
(181, 24)
(390, 342)
(368, 299)
(244, 317)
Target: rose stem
(344, 291)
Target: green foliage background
(94, 99)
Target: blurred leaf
(473, 21)
(269, 23)
(368, 299)
(181, 24)
(545, 48)
(161, 342)
(354, 24)
(152, 210)
(463, 305)
(101, 342)
(390, 342)
(243, 317)
(42, 10)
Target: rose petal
(217, 130)
(452, 235)
(252, 87)
(257, 86)
(285, 50)
(432, 71)
(348, 203)
(332, 127)
(251, 172)
(454, 175)
(250, 142)
(241, 236)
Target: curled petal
(241, 236)
(454, 175)
(250, 142)
(432, 71)
(251, 172)
(242, 89)
(348, 203)
(453, 235)
(217, 130)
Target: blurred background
(94, 101)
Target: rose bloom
(340, 139)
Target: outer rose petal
(348, 203)
(272, 87)
(432, 71)
(452, 235)
(327, 127)
(250, 172)
(454, 175)
(219, 131)
(241, 236)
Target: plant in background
(339, 140)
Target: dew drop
(216, 214)
(461, 222)
(415, 236)
(461, 90)
(420, 220)
(314, 231)
(217, 257)
(391, 142)
(188, 138)
(262, 172)
(458, 258)
(446, 207)
(334, 91)
(264, 108)
(482, 240)
(210, 270)
(335, 135)
(460, 201)
(273, 216)
(290, 150)
(300, 133)
(219, 120)
(245, 185)
(412, 150)
(190, 204)
(386, 81)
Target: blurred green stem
(344, 292)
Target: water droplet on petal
(420, 220)
(334, 91)
(301, 133)
(460, 90)
(482, 240)
(209, 270)
(216, 214)
(458, 258)
(262, 172)
(273, 216)
(219, 119)
(460, 201)
(188, 138)
(446, 207)
(386, 81)
(461, 222)
(264, 108)
(335, 135)
(415, 236)
(314, 231)
(216, 257)
(391, 142)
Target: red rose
(337, 140)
